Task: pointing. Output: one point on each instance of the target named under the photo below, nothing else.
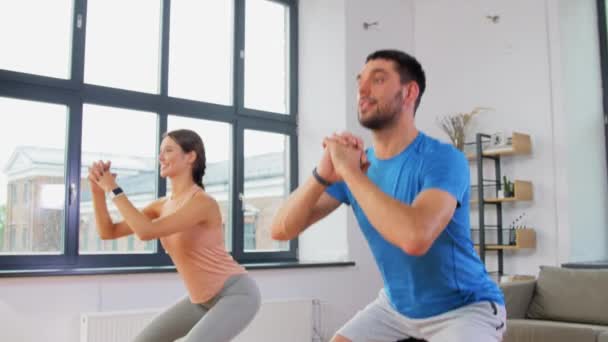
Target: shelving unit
(523, 191)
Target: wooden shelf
(522, 189)
(524, 238)
(520, 145)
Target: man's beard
(383, 116)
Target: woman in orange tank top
(222, 298)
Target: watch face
(115, 192)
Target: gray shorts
(380, 322)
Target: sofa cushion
(518, 295)
(571, 295)
(530, 330)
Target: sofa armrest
(518, 295)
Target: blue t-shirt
(450, 275)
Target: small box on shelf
(525, 238)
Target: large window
(201, 51)
(32, 181)
(36, 41)
(267, 65)
(87, 80)
(133, 155)
(267, 169)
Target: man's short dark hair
(408, 67)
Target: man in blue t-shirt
(410, 194)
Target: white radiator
(284, 320)
(118, 326)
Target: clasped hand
(100, 177)
(343, 153)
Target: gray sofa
(569, 305)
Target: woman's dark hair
(190, 141)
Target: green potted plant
(508, 188)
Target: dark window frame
(74, 93)
(602, 21)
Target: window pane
(266, 186)
(217, 138)
(267, 56)
(31, 29)
(32, 189)
(123, 44)
(108, 134)
(200, 53)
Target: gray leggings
(220, 319)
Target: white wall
(322, 111)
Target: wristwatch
(320, 179)
(115, 192)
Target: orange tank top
(199, 254)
